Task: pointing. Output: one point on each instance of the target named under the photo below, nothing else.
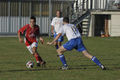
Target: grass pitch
(14, 55)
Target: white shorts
(34, 44)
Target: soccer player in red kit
(32, 35)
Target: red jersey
(30, 33)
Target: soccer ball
(29, 64)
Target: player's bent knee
(59, 52)
(34, 50)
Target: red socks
(38, 58)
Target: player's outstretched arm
(19, 37)
(21, 31)
(41, 40)
(56, 38)
(52, 29)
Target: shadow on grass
(106, 59)
(41, 69)
(73, 67)
(114, 68)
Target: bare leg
(93, 58)
(37, 57)
(60, 52)
(86, 54)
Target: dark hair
(33, 17)
(66, 19)
(60, 12)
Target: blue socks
(56, 46)
(62, 58)
(94, 59)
